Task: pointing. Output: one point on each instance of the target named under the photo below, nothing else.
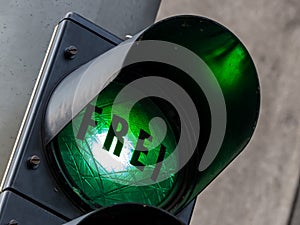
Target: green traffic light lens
(102, 174)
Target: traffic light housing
(62, 160)
(132, 213)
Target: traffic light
(149, 122)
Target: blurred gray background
(259, 186)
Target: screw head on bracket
(71, 52)
(13, 222)
(33, 162)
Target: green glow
(227, 63)
(94, 173)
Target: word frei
(122, 124)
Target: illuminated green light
(227, 63)
(99, 176)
